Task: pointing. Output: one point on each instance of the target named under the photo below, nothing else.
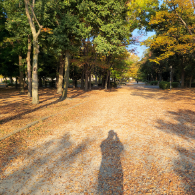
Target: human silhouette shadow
(110, 178)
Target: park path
(131, 140)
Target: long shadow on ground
(41, 166)
(184, 166)
(110, 179)
(10, 106)
(159, 94)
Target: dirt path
(132, 140)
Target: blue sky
(140, 49)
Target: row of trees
(91, 35)
(172, 48)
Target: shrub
(113, 84)
(175, 84)
(145, 81)
(164, 85)
(193, 84)
(154, 83)
(6, 81)
(70, 81)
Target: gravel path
(129, 141)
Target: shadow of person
(110, 178)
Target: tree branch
(34, 15)
(29, 17)
(184, 23)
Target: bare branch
(34, 14)
(29, 17)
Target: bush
(164, 85)
(175, 84)
(145, 81)
(154, 83)
(11, 84)
(193, 84)
(6, 81)
(113, 84)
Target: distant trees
(91, 36)
(174, 44)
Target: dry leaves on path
(149, 151)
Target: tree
(35, 34)
(172, 40)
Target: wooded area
(172, 48)
(64, 40)
(68, 39)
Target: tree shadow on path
(184, 163)
(110, 178)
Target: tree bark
(86, 77)
(82, 80)
(66, 76)
(29, 68)
(35, 96)
(106, 82)
(57, 75)
(75, 83)
(90, 80)
(190, 81)
(109, 79)
(40, 82)
(16, 83)
(60, 77)
(21, 75)
(182, 78)
(96, 76)
(99, 79)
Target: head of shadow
(110, 178)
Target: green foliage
(154, 83)
(113, 84)
(175, 84)
(164, 85)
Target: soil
(130, 140)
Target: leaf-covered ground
(130, 140)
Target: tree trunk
(109, 79)
(75, 83)
(21, 75)
(106, 82)
(35, 95)
(190, 81)
(82, 79)
(29, 68)
(11, 80)
(99, 79)
(57, 75)
(40, 82)
(182, 78)
(60, 77)
(96, 78)
(103, 81)
(66, 76)
(86, 77)
(90, 80)
(16, 83)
